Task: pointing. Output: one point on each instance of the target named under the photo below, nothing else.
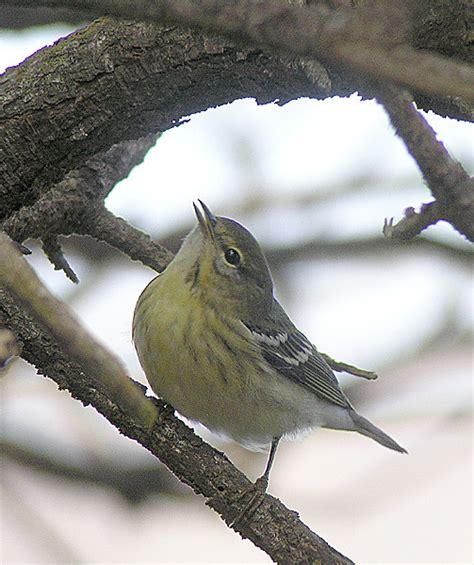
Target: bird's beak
(206, 219)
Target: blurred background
(313, 180)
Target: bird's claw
(257, 494)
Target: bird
(217, 346)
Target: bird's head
(225, 263)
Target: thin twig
(340, 367)
(55, 254)
(414, 222)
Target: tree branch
(116, 81)
(413, 223)
(75, 205)
(90, 91)
(105, 226)
(371, 40)
(446, 178)
(20, 280)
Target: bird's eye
(232, 256)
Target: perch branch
(275, 529)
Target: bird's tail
(363, 426)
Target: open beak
(206, 219)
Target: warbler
(217, 346)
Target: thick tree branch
(446, 178)
(116, 81)
(369, 40)
(440, 27)
(273, 528)
(75, 205)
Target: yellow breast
(193, 359)
(209, 369)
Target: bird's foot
(253, 496)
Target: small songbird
(217, 346)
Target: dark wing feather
(290, 353)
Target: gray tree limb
(118, 81)
(371, 39)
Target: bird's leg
(262, 482)
(257, 490)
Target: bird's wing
(290, 353)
